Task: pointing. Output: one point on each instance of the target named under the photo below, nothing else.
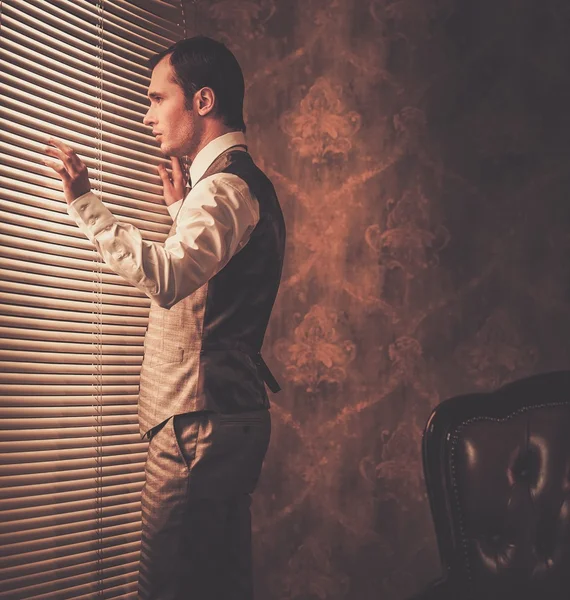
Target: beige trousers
(196, 524)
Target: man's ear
(204, 101)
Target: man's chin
(169, 152)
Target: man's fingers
(163, 174)
(176, 168)
(60, 145)
(66, 154)
(70, 168)
(179, 173)
(58, 167)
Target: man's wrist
(72, 202)
(173, 208)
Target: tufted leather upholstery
(497, 469)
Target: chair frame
(438, 445)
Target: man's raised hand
(173, 187)
(70, 169)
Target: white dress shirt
(213, 223)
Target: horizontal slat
(73, 131)
(83, 487)
(46, 581)
(76, 432)
(79, 349)
(48, 233)
(124, 410)
(67, 406)
(30, 232)
(90, 116)
(13, 335)
(81, 279)
(47, 308)
(69, 50)
(88, 592)
(115, 31)
(122, 177)
(153, 226)
(109, 556)
(32, 485)
(73, 71)
(65, 555)
(81, 29)
(63, 538)
(74, 390)
(48, 112)
(40, 29)
(84, 305)
(29, 217)
(27, 171)
(145, 215)
(38, 471)
(32, 229)
(12, 234)
(73, 515)
(125, 489)
(27, 147)
(167, 15)
(17, 275)
(26, 428)
(87, 293)
(50, 255)
(120, 153)
(118, 28)
(127, 591)
(135, 13)
(82, 144)
(83, 521)
(59, 507)
(13, 369)
(83, 94)
(45, 323)
(71, 82)
(73, 440)
(130, 452)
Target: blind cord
(98, 318)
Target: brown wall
(420, 151)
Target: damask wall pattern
(417, 148)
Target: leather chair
(497, 470)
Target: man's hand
(173, 188)
(70, 168)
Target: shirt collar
(211, 151)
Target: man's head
(196, 92)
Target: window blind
(71, 458)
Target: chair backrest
(497, 469)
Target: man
(202, 402)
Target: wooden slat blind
(71, 458)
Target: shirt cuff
(91, 215)
(174, 208)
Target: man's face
(173, 123)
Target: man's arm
(213, 224)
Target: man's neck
(216, 130)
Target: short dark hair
(201, 62)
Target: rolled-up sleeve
(213, 223)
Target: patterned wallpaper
(419, 151)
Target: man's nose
(149, 119)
